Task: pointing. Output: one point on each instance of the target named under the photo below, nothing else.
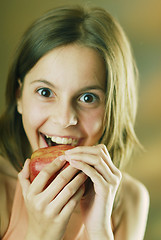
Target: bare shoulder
(3, 206)
(135, 207)
(7, 188)
(135, 190)
(8, 177)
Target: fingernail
(62, 158)
(68, 151)
(73, 163)
(68, 158)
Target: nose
(64, 115)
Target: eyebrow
(92, 87)
(44, 81)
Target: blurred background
(141, 20)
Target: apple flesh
(43, 156)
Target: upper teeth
(60, 140)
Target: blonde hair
(122, 94)
(91, 27)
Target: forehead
(71, 63)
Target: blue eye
(88, 98)
(45, 92)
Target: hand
(97, 203)
(49, 209)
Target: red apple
(43, 156)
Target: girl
(73, 81)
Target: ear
(19, 97)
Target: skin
(66, 111)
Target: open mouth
(54, 141)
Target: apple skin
(43, 156)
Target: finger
(107, 159)
(45, 174)
(99, 164)
(23, 177)
(98, 150)
(66, 194)
(101, 186)
(72, 203)
(95, 161)
(55, 187)
(89, 171)
(80, 149)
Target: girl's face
(63, 98)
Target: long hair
(94, 28)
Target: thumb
(23, 177)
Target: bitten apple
(43, 156)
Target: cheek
(94, 124)
(32, 117)
(32, 121)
